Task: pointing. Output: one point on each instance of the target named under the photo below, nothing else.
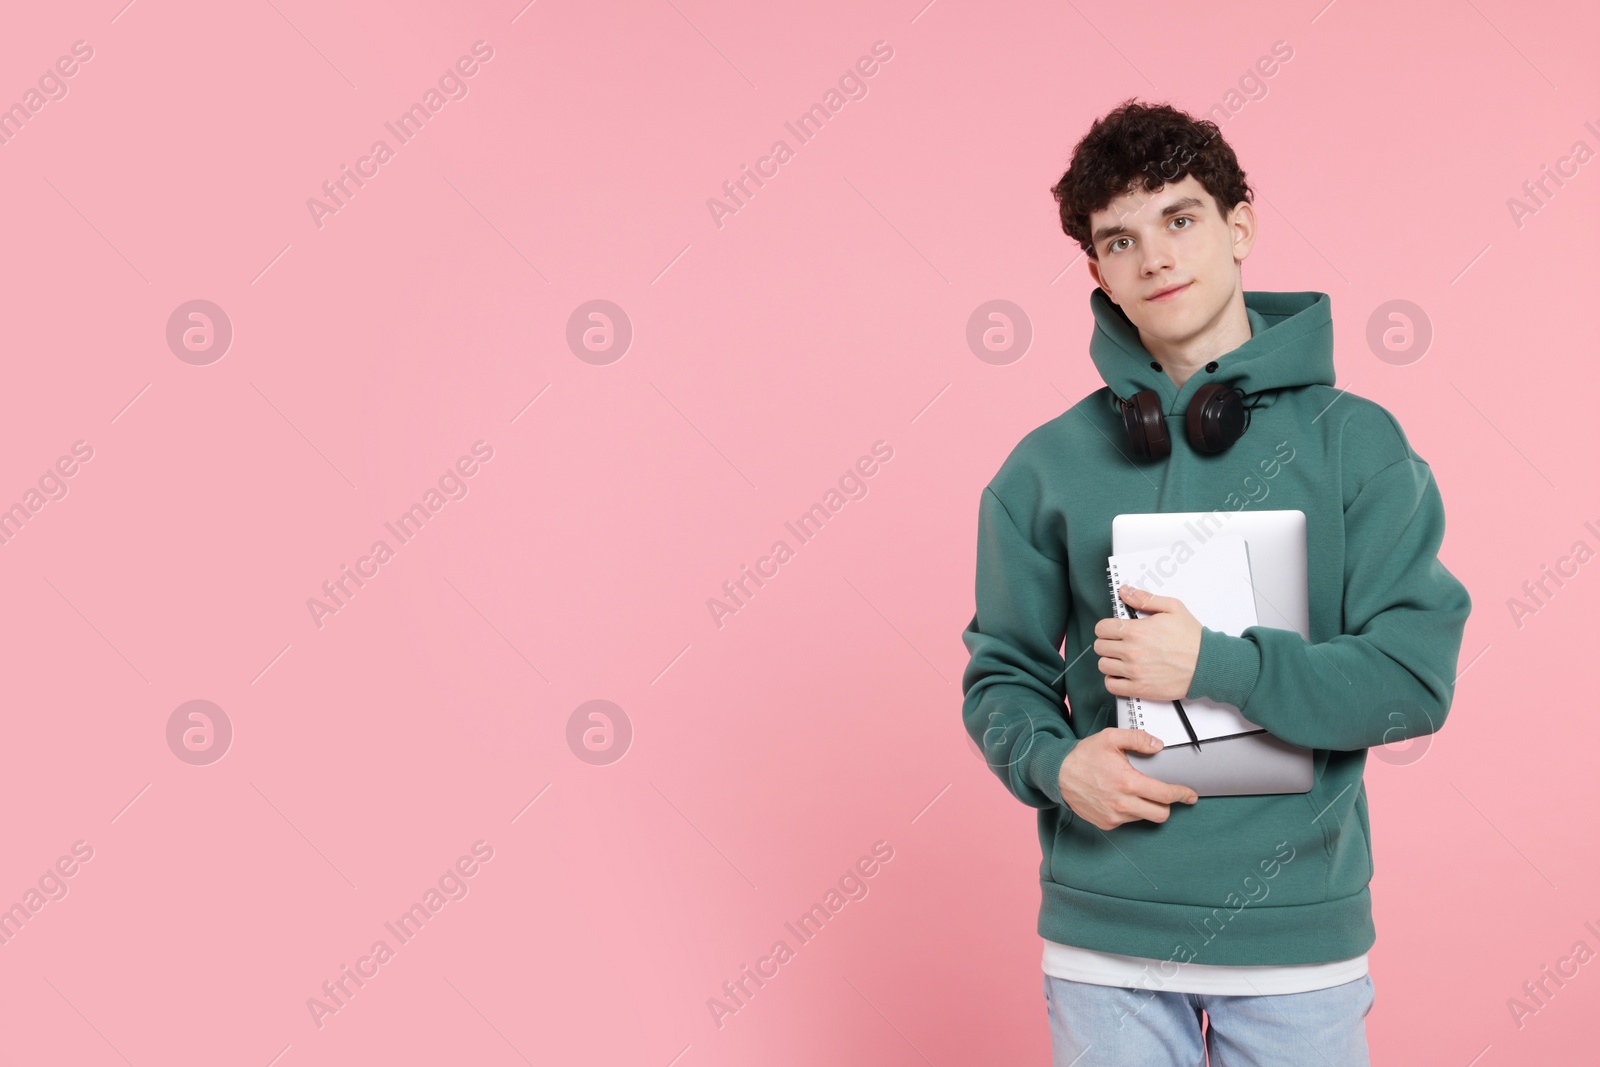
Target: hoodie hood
(1291, 344)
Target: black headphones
(1217, 417)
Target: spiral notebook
(1213, 582)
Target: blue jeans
(1110, 1026)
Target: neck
(1182, 358)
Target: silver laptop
(1251, 763)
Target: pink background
(768, 754)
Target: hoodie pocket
(1063, 817)
(1338, 804)
(1366, 828)
(1220, 851)
(1321, 816)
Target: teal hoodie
(1274, 879)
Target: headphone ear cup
(1216, 417)
(1146, 425)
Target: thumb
(1142, 740)
(1147, 601)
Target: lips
(1169, 292)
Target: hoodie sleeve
(1015, 682)
(1391, 675)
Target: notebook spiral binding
(1133, 707)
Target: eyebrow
(1184, 204)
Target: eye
(1183, 218)
(1112, 247)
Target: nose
(1156, 255)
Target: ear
(1242, 223)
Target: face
(1151, 242)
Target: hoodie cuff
(1226, 670)
(1043, 768)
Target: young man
(1159, 906)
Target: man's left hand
(1151, 658)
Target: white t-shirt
(1138, 972)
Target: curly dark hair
(1152, 143)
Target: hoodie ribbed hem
(1253, 935)
(1226, 669)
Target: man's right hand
(1100, 785)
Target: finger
(1110, 667)
(1157, 791)
(1110, 646)
(1133, 807)
(1118, 684)
(1123, 651)
(1111, 628)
